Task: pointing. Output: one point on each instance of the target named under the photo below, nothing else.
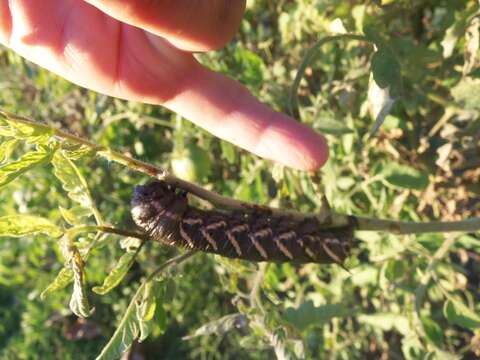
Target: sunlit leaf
(472, 46)
(380, 104)
(31, 132)
(220, 326)
(79, 303)
(146, 310)
(75, 151)
(6, 149)
(117, 274)
(458, 314)
(405, 176)
(307, 314)
(21, 225)
(72, 180)
(467, 93)
(431, 241)
(14, 169)
(133, 325)
(5, 128)
(74, 215)
(127, 332)
(387, 322)
(451, 38)
(130, 244)
(63, 279)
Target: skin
(141, 50)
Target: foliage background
(406, 296)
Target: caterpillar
(165, 215)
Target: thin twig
(127, 233)
(255, 294)
(275, 341)
(402, 227)
(161, 174)
(325, 217)
(167, 264)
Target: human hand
(141, 50)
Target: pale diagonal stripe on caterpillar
(164, 213)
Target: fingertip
(293, 144)
(5, 22)
(317, 155)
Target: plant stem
(127, 233)
(167, 264)
(255, 294)
(324, 216)
(401, 227)
(158, 172)
(307, 59)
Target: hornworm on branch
(164, 214)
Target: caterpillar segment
(165, 215)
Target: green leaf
(330, 125)
(386, 70)
(117, 274)
(63, 279)
(134, 325)
(467, 93)
(433, 331)
(72, 180)
(31, 132)
(74, 215)
(370, 29)
(220, 326)
(307, 314)
(14, 169)
(75, 151)
(458, 313)
(431, 242)
(395, 269)
(6, 149)
(79, 303)
(387, 322)
(146, 310)
(127, 332)
(405, 176)
(5, 128)
(21, 225)
(229, 152)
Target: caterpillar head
(157, 208)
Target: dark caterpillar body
(166, 216)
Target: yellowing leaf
(387, 322)
(79, 302)
(117, 274)
(74, 215)
(220, 326)
(21, 225)
(6, 149)
(72, 180)
(14, 169)
(21, 128)
(63, 279)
